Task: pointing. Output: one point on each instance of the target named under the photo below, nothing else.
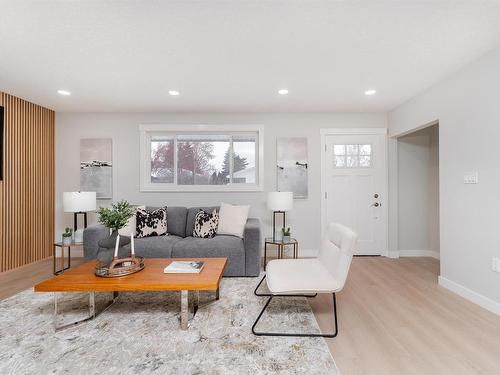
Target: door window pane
(339, 161)
(339, 149)
(352, 161)
(365, 161)
(365, 149)
(352, 149)
(162, 160)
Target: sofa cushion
(218, 246)
(176, 220)
(154, 247)
(191, 215)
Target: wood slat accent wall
(27, 189)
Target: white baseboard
(478, 299)
(393, 254)
(419, 253)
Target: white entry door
(355, 188)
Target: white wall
(467, 107)
(123, 128)
(413, 204)
(418, 198)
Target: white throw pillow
(131, 224)
(232, 219)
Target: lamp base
(78, 236)
(278, 235)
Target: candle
(132, 249)
(117, 245)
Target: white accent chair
(307, 277)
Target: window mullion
(148, 150)
(175, 159)
(231, 159)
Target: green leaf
(117, 216)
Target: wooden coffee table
(151, 278)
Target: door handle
(376, 204)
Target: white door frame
(324, 132)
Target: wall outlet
(470, 178)
(495, 265)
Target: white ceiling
(233, 56)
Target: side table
(62, 246)
(281, 247)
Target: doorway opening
(418, 193)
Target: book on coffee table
(184, 267)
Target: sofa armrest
(252, 242)
(91, 237)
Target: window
(352, 156)
(201, 158)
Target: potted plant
(67, 236)
(286, 235)
(115, 218)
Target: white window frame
(147, 130)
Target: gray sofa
(243, 253)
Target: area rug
(140, 334)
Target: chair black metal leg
(327, 335)
(289, 295)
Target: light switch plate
(470, 178)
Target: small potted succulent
(286, 234)
(67, 236)
(115, 218)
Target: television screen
(1, 143)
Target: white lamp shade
(79, 201)
(280, 200)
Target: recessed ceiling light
(63, 92)
(173, 92)
(370, 92)
(283, 92)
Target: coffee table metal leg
(93, 313)
(196, 302)
(92, 305)
(265, 255)
(184, 309)
(217, 294)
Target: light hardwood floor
(22, 278)
(393, 319)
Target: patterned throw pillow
(205, 224)
(151, 223)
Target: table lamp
(79, 202)
(279, 202)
